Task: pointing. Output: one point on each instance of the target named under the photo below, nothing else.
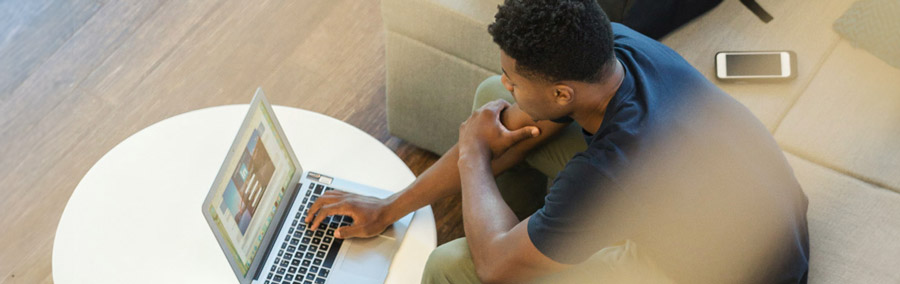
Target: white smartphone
(756, 65)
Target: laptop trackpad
(370, 257)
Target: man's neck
(596, 98)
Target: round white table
(136, 216)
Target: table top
(136, 216)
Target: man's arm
(501, 248)
(371, 215)
(443, 178)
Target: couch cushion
(848, 118)
(801, 26)
(427, 113)
(853, 227)
(456, 27)
(870, 24)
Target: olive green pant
(523, 188)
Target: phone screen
(753, 64)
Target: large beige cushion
(801, 26)
(848, 119)
(854, 229)
(437, 52)
(456, 27)
(427, 91)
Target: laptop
(257, 205)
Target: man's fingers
(329, 197)
(523, 133)
(334, 193)
(352, 231)
(496, 105)
(332, 209)
(323, 201)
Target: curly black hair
(555, 40)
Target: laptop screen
(251, 184)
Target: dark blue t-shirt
(684, 171)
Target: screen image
(246, 198)
(753, 64)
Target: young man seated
(659, 176)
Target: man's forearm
(485, 215)
(442, 180)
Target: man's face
(536, 98)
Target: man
(674, 181)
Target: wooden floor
(79, 76)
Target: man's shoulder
(667, 68)
(642, 50)
(618, 28)
(623, 35)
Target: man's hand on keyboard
(368, 213)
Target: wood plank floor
(79, 76)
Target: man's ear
(564, 94)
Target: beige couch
(838, 122)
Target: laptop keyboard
(307, 254)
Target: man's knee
(489, 90)
(450, 263)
